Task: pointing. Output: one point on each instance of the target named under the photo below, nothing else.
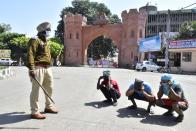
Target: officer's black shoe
(179, 118)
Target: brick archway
(109, 31)
(78, 35)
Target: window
(147, 62)
(70, 35)
(186, 56)
(140, 33)
(77, 35)
(131, 55)
(132, 33)
(125, 35)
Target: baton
(45, 92)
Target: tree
(6, 37)
(56, 50)
(97, 48)
(114, 19)
(7, 42)
(18, 48)
(188, 30)
(4, 28)
(3, 46)
(194, 29)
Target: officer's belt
(42, 65)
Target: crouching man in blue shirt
(142, 91)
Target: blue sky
(25, 15)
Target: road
(80, 103)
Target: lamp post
(167, 41)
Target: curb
(5, 73)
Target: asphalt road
(80, 103)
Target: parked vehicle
(147, 66)
(7, 62)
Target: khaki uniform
(39, 61)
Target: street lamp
(167, 41)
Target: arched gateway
(78, 35)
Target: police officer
(38, 62)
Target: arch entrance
(102, 51)
(126, 35)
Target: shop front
(182, 55)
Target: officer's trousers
(45, 77)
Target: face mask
(165, 88)
(47, 33)
(106, 78)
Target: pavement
(80, 103)
(5, 73)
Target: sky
(24, 15)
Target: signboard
(5, 53)
(150, 44)
(178, 44)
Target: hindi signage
(178, 44)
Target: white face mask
(47, 33)
(165, 89)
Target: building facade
(182, 55)
(157, 20)
(157, 24)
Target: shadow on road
(98, 104)
(13, 117)
(159, 120)
(126, 113)
(146, 118)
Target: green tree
(56, 50)
(114, 19)
(194, 25)
(97, 48)
(7, 43)
(18, 47)
(6, 37)
(4, 28)
(188, 30)
(194, 29)
(3, 46)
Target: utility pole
(167, 40)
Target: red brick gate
(78, 35)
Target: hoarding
(150, 44)
(178, 44)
